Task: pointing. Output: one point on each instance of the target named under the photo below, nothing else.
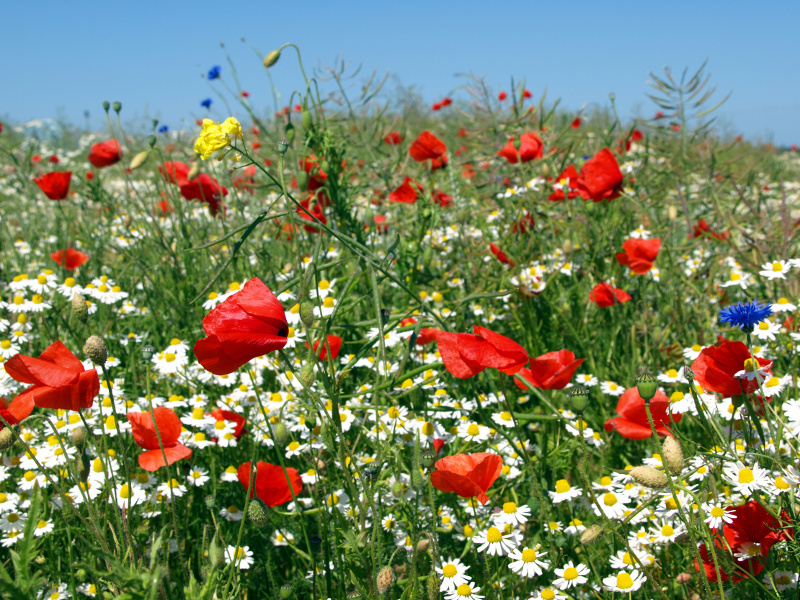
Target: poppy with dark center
(600, 178)
(716, 367)
(250, 323)
(639, 255)
(468, 475)
(427, 146)
(55, 185)
(145, 435)
(605, 295)
(270, 483)
(69, 258)
(105, 154)
(465, 354)
(531, 147)
(551, 371)
(632, 421)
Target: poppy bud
(416, 479)
(423, 545)
(673, 455)
(591, 534)
(432, 585)
(106, 106)
(672, 213)
(287, 589)
(81, 575)
(117, 106)
(289, 131)
(307, 313)
(321, 466)
(353, 594)
(327, 440)
(97, 351)
(648, 477)
(302, 181)
(6, 439)
(311, 421)
(306, 120)
(152, 141)
(79, 437)
(216, 555)
(271, 58)
(385, 315)
(567, 247)
(79, 307)
(385, 579)
(517, 142)
(647, 386)
(257, 512)
(84, 466)
(683, 578)
(688, 372)
(545, 169)
(307, 374)
(281, 434)
(578, 399)
(193, 171)
(139, 159)
(148, 351)
(283, 146)
(398, 490)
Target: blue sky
(62, 58)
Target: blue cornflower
(163, 129)
(745, 316)
(206, 103)
(213, 72)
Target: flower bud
(417, 479)
(6, 439)
(79, 307)
(647, 385)
(385, 579)
(289, 132)
(281, 434)
(311, 421)
(398, 490)
(517, 142)
(81, 575)
(139, 159)
(673, 455)
(567, 247)
(683, 578)
(257, 512)
(152, 141)
(106, 106)
(216, 555)
(672, 212)
(688, 372)
(578, 399)
(649, 477)
(271, 58)
(307, 313)
(287, 589)
(97, 351)
(84, 466)
(193, 171)
(148, 351)
(591, 534)
(283, 146)
(432, 585)
(79, 435)
(321, 466)
(307, 374)
(117, 106)
(305, 120)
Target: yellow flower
(215, 137)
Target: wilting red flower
(145, 435)
(393, 138)
(604, 295)
(530, 147)
(70, 258)
(567, 179)
(335, 343)
(716, 367)
(14, 412)
(501, 256)
(442, 199)
(502, 96)
(551, 371)
(175, 172)
(270, 485)
(55, 185)
(58, 379)
(105, 154)
(600, 178)
(206, 189)
(248, 324)
(468, 475)
(702, 227)
(632, 421)
(227, 415)
(408, 192)
(639, 254)
(465, 355)
(427, 146)
(576, 123)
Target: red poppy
(439, 163)
(716, 366)
(551, 371)
(408, 192)
(248, 324)
(15, 411)
(527, 94)
(600, 178)
(526, 222)
(436, 106)
(55, 185)
(227, 415)
(105, 154)
(270, 485)
(501, 256)
(530, 147)
(604, 295)
(639, 254)
(632, 421)
(447, 101)
(567, 179)
(58, 379)
(427, 146)
(576, 123)
(393, 138)
(702, 227)
(465, 355)
(468, 475)
(312, 214)
(442, 199)
(426, 334)
(145, 435)
(502, 96)
(335, 344)
(70, 258)
(175, 172)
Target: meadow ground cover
(491, 350)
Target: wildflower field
(360, 347)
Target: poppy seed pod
(106, 105)
(649, 477)
(211, 502)
(287, 589)
(578, 399)
(257, 512)
(281, 434)
(673, 455)
(385, 579)
(283, 146)
(271, 58)
(97, 351)
(591, 534)
(117, 106)
(647, 385)
(148, 351)
(79, 307)
(6, 439)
